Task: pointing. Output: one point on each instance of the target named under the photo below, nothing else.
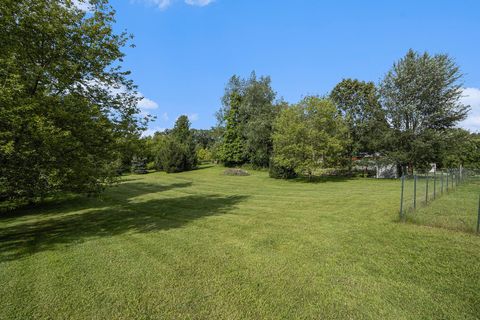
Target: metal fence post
(478, 218)
(447, 181)
(415, 192)
(426, 191)
(434, 184)
(442, 183)
(401, 197)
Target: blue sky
(186, 50)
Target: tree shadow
(321, 179)
(19, 241)
(125, 190)
(203, 166)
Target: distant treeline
(70, 122)
(409, 119)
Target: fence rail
(421, 189)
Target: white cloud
(147, 104)
(198, 3)
(83, 5)
(471, 97)
(151, 131)
(164, 4)
(165, 117)
(143, 104)
(193, 117)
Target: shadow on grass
(112, 217)
(204, 166)
(125, 190)
(322, 179)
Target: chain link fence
(458, 191)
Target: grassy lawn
(457, 210)
(201, 245)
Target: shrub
(151, 165)
(176, 152)
(281, 172)
(173, 156)
(139, 166)
(204, 155)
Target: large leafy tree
(462, 149)
(65, 101)
(309, 136)
(421, 97)
(359, 104)
(254, 114)
(259, 112)
(205, 138)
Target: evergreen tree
(178, 151)
(139, 165)
(172, 155)
(254, 117)
(232, 151)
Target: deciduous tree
(359, 104)
(421, 97)
(254, 112)
(65, 101)
(309, 136)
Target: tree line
(69, 116)
(409, 119)
(68, 109)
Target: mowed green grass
(456, 210)
(201, 245)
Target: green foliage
(359, 103)
(172, 156)
(181, 131)
(259, 112)
(139, 166)
(232, 151)
(249, 126)
(281, 172)
(176, 150)
(60, 120)
(204, 155)
(309, 136)
(151, 165)
(420, 95)
(462, 149)
(133, 146)
(205, 138)
(157, 143)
